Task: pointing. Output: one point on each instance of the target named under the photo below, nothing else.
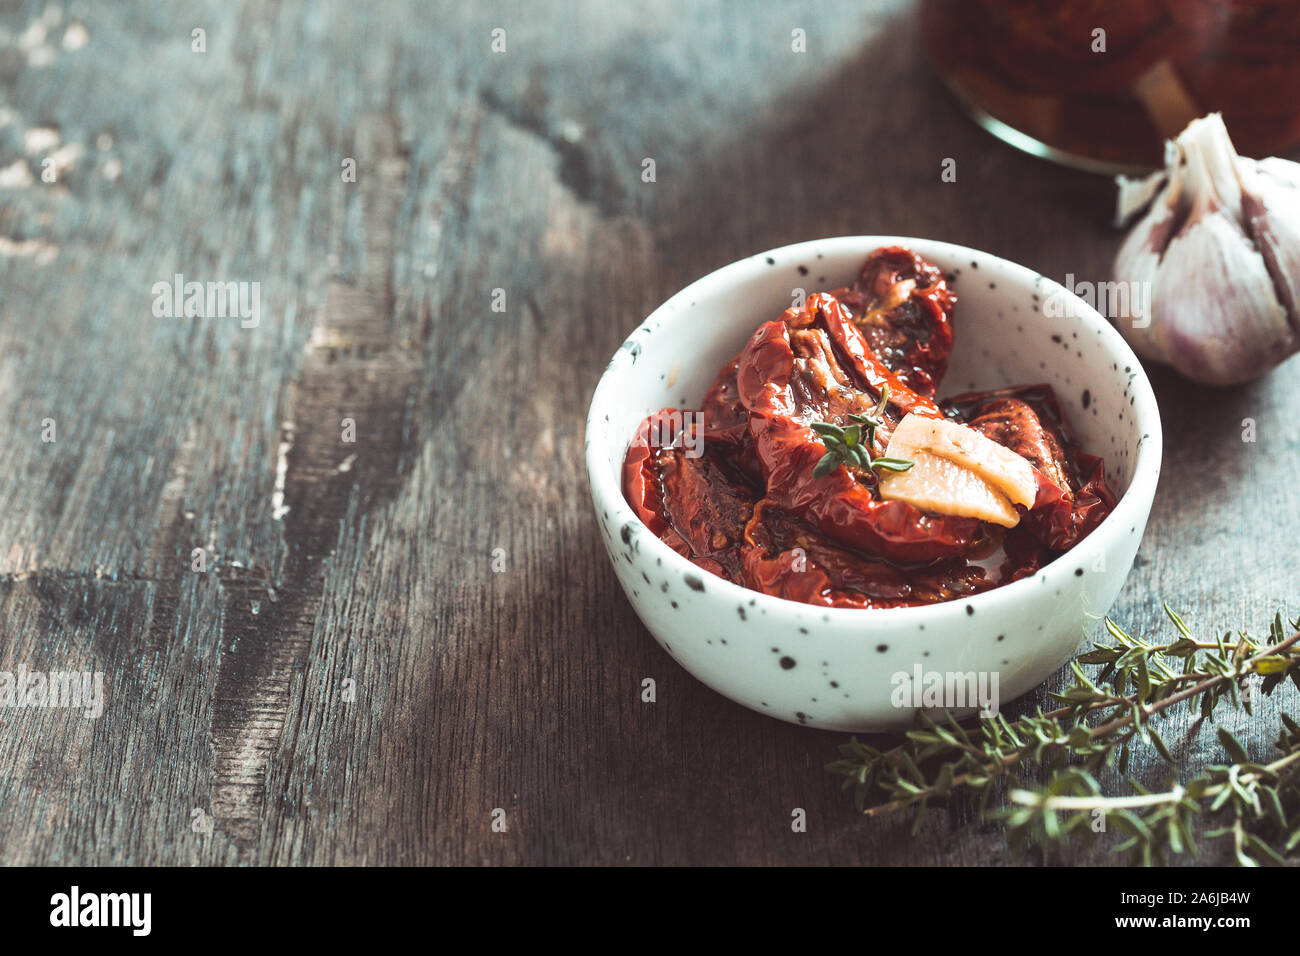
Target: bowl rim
(1133, 507)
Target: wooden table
(396, 636)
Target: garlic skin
(1271, 207)
(1145, 245)
(1220, 249)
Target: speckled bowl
(838, 669)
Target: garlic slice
(957, 471)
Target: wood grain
(350, 681)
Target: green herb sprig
(1101, 720)
(854, 445)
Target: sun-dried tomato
(1073, 497)
(788, 558)
(731, 487)
(903, 306)
(792, 374)
(697, 504)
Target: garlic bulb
(1219, 253)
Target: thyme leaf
(854, 445)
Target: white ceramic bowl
(835, 669)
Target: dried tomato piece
(707, 507)
(788, 558)
(698, 504)
(1022, 555)
(726, 421)
(791, 374)
(1073, 497)
(724, 417)
(903, 307)
(641, 470)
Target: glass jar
(1100, 84)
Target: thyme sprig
(1252, 796)
(854, 445)
(1101, 720)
